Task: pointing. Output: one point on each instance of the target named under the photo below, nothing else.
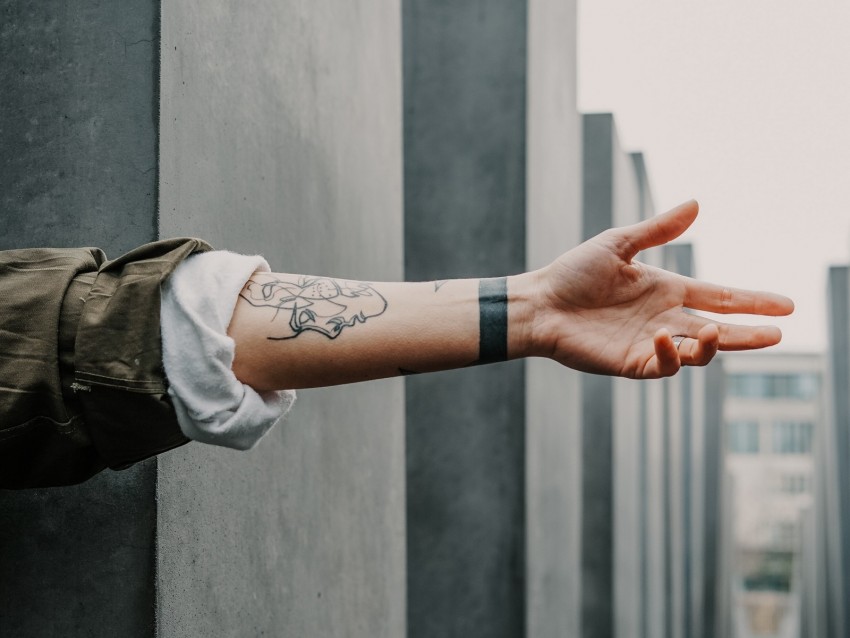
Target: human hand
(604, 312)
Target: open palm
(609, 314)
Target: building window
(773, 386)
(768, 570)
(784, 534)
(792, 437)
(743, 437)
(794, 484)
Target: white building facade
(772, 412)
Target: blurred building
(772, 413)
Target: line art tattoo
(493, 320)
(317, 304)
(440, 284)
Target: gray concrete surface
(553, 405)
(281, 134)
(78, 133)
(713, 515)
(628, 208)
(465, 171)
(826, 590)
(838, 444)
(597, 607)
(610, 550)
(652, 463)
(78, 123)
(679, 258)
(696, 420)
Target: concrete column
(838, 433)
(651, 462)
(713, 455)
(611, 573)
(679, 258)
(279, 133)
(553, 407)
(78, 133)
(827, 614)
(465, 174)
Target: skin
(595, 308)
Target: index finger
(700, 295)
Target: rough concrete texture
(78, 133)
(465, 503)
(281, 134)
(464, 145)
(78, 123)
(79, 561)
(553, 404)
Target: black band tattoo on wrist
(493, 320)
(317, 304)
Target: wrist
(524, 298)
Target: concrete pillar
(694, 452)
(681, 388)
(79, 130)
(610, 550)
(274, 130)
(553, 407)
(656, 543)
(652, 462)
(281, 134)
(712, 523)
(825, 615)
(838, 442)
(465, 174)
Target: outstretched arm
(595, 309)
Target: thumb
(657, 230)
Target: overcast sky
(745, 106)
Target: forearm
(294, 331)
(594, 309)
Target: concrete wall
(79, 123)
(553, 405)
(78, 133)
(281, 134)
(464, 170)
